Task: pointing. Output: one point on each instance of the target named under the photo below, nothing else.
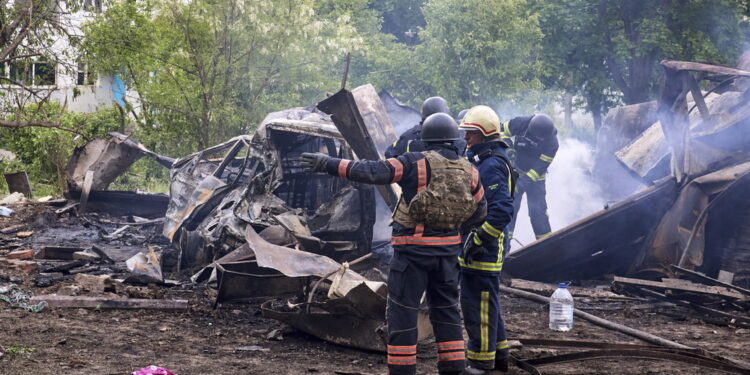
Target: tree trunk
(568, 109)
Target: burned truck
(257, 180)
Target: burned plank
(12, 229)
(110, 303)
(682, 286)
(709, 280)
(720, 317)
(700, 67)
(58, 252)
(65, 267)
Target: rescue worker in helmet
(410, 140)
(485, 246)
(440, 193)
(534, 143)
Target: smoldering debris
(693, 159)
(248, 184)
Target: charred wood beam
(709, 280)
(700, 67)
(681, 286)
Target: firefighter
(440, 192)
(534, 143)
(484, 247)
(410, 140)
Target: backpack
(446, 202)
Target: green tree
(401, 18)
(479, 54)
(30, 35)
(44, 152)
(207, 70)
(608, 51)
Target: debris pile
(690, 153)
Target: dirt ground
(206, 341)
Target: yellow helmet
(482, 118)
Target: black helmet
(461, 115)
(432, 105)
(439, 127)
(541, 126)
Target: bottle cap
(562, 285)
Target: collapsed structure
(691, 151)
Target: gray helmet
(432, 105)
(541, 127)
(461, 115)
(439, 127)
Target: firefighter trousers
(480, 304)
(409, 277)
(536, 200)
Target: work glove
(314, 162)
(475, 244)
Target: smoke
(572, 193)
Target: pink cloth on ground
(152, 370)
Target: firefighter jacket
(495, 175)
(531, 158)
(412, 172)
(409, 141)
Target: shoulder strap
(511, 169)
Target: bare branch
(42, 124)
(18, 57)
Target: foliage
(32, 32)
(608, 51)
(477, 54)
(44, 152)
(401, 18)
(207, 70)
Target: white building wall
(66, 91)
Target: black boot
(501, 360)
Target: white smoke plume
(572, 193)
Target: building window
(20, 72)
(92, 5)
(26, 72)
(85, 77)
(44, 74)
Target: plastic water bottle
(561, 309)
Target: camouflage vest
(446, 202)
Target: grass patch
(16, 349)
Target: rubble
(693, 159)
(250, 225)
